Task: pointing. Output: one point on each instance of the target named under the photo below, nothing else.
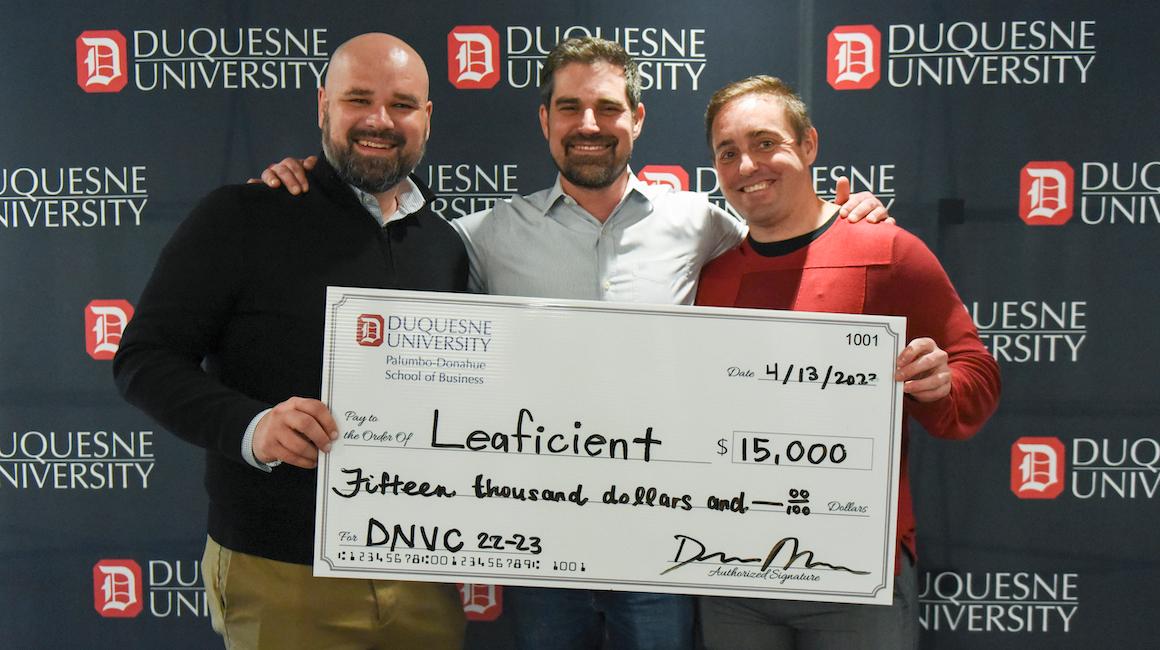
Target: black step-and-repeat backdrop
(1018, 139)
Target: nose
(588, 121)
(746, 166)
(380, 118)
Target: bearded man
(225, 351)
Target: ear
(810, 145)
(430, 107)
(321, 105)
(544, 120)
(638, 120)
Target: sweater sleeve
(919, 288)
(177, 324)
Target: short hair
(589, 50)
(795, 108)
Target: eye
(766, 145)
(360, 101)
(726, 156)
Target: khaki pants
(256, 603)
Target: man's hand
(923, 366)
(854, 208)
(293, 432)
(290, 173)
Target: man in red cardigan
(799, 255)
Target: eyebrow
(601, 102)
(755, 133)
(367, 92)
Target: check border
(325, 547)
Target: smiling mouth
(588, 147)
(756, 187)
(374, 145)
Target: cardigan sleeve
(918, 287)
(178, 321)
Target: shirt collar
(410, 200)
(635, 186)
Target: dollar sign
(723, 449)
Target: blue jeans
(579, 619)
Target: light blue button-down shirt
(409, 196)
(650, 249)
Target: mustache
(589, 139)
(386, 135)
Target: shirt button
(607, 285)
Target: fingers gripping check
(923, 368)
(294, 431)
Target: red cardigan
(873, 269)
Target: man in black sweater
(225, 350)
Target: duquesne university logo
(674, 176)
(117, 588)
(191, 58)
(1037, 466)
(853, 57)
(105, 322)
(473, 57)
(102, 63)
(953, 52)
(1046, 193)
(369, 330)
(481, 602)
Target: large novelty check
(610, 446)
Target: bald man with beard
(225, 351)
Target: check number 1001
(861, 340)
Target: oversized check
(610, 446)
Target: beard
(592, 172)
(371, 174)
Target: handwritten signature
(690, 550)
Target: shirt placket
(615, 266)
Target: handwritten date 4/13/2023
(830, 376)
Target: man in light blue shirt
(599, 234)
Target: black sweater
(241, 287)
